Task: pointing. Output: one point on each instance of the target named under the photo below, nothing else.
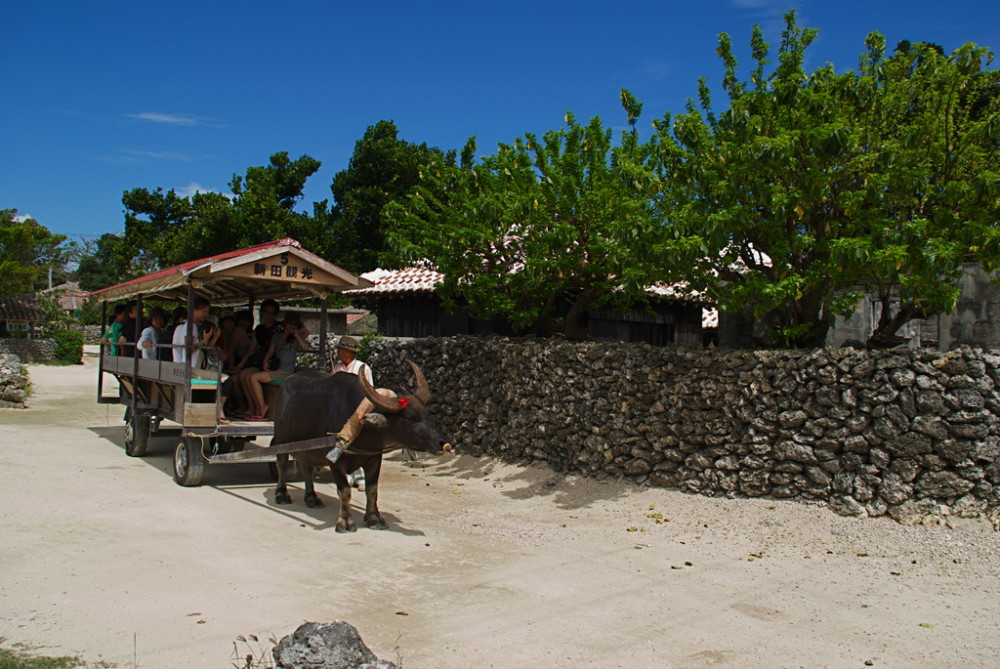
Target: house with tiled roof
(20, 313)
(70, 296)
(407, 305)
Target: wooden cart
(153, 390)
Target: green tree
(933, 124)
(382, 169)
(27, 251)
(811, 189)
(155, 223)
(265, 198)
(105, 263)
(543, 230)
(164, 229)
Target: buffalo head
(409, 425)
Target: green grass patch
(18, 656)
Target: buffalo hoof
(376, 522)
(346, 526)
(314, 502)
(282, 497)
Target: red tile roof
(184, 268)
(409, 280)
(20, 307)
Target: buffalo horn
(422, 391)
(386, 404)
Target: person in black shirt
(166, 340)
(129, 329)
(253, 361)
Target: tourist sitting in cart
(202, 337)
(286, 344)
(253, 360)
(151, 335)
(233, 340)
(131, 326)
(114, 332)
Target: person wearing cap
(348, 361)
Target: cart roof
(281, 270)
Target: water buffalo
(314, 404)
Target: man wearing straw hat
(348, 361)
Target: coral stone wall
(13, 382)
(912, 434)
(29, 350)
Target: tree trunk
(884, 335)
(575, 328)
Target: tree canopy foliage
(544, 229)
(813, 188)
(808, 190)
(383, 169)
(164, 229)
(27, 251)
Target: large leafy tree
(811, 188)
(382, 169)
(155, 222)
(27, 251)
(164, 228)
(104, 263)
(265, 199)
(544, 229)
(933, 176)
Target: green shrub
(69, 346)
(367, 343)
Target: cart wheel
(137, 436)
(189, 463)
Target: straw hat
(348, 344)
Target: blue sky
(102, 96)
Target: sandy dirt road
(484, 564)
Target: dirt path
(483, 565)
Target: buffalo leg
(344, 521)
(312, 499)
(373, 519)
(281, 495)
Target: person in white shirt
(151, 335)
(347, 361)
(198, 316)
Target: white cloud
(132, 156)
(191, 189)
(176, 156)
(21, 218)
(174, 119)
